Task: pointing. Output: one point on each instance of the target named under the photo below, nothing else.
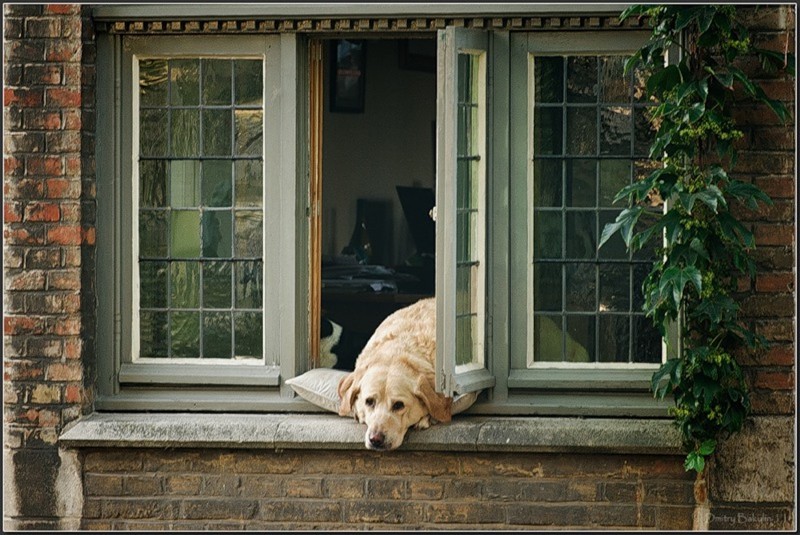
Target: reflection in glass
(152, 183)
(153, 334)
(217, 234)
(549, 79)
(582, 331)
(547, 234)
(581, 182)
(152, 82)
(615, 86)
(217, 335)
(185, 234)
(548, 131)
(153, 133)
(249, 287)
(216, 183)
(247, 334)
(614, 338)
(614, 287)
(582, 232)
(184, 331)
(184, 132)
(216, 81)
(547, 182)
(581, 288)
(152, 234)
(152, 284)
(184, 284)
(614, 175)
(184, 78)
(548, 339)
(216, 132)
(582, 79)
(615, 130)
(248, 132)
(217, 284)
(581, 131)
(248, 175)
(249, 82)
(249, 235)
(547, 287)
(184, 183)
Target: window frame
(126, 382)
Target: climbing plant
(702, 248)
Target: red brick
(25, 97)
(67, 326)
(42, 211)
(64, 280)
(62, 188)
(73, 394)
(12, 212)
(62, 9)
(774, 380)
(62, 50)
(43, 27)
(17, 325)
(777, 187)
(25, 280)
(64, 235)
(773, 235)
(72, 348)
(39, 119)
(22, 370)
(72, 120)
(24, 236)
(70, 371)
(63, 141)
(62, 97)
(13, 166)
(48, 166)
(44, 74)
(774, 282)
(772, 402)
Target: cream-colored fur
(392, 387)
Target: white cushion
(320, 386)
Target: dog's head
(390, 400)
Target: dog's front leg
(424, 423)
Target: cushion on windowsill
(320, 387)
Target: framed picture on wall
(348, 67)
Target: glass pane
(217, 234)
(614, 287)
(216, 81)
(581, 182)
(185, 234)
(581, 287)
(547, 131)
(152, 234)
(465, 338)
(549, 79)
(465, 288)
(581, 235)
(614, 338)
(184, 330)
(640, 272)
(153, 334)
(184, 75)
(184, 183)
(580, 339)
(249, 81)
(216, 183)
(152, 82)
(465, 232)
(640, 77)
(249, 284)
(646, 341)
(615, 86)
(548, 339)
(547, 287)
(581, 131)
(582, 79)
(216, 132)
(644, 131)
(249, 132)
(153, 132)
(184, 284)
(615, 130)
(547, 183)
(217, 284)
(249, 235)
(248, 182)
(217, 335)
(185, 132)
(152, 284)
(247, 335)
(614, 248)
(614, 175)
(152, 183)
(547, 234)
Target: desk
(362, 312)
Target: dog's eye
(398, 406)
(369, 402)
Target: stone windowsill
(328, 431)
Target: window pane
(216, 81)
(152, 183)
(217, 284)
(216, 183)
(547, 234)
(644, 131)
(646, 340)
(184, 131)
(248, 284)
(247, 334)
(249, 82)
(547, 131)
(217, 335)
(582, 79)
(184, 183)
(153, 339)
(248, 182)
(249, 235)
(547, 182)
(549, 79)
(185, 82)
(614, 338)
(216, 132)
(152, 234)
(184, 332)
(217, 234)
(185, 234)
(548, 339)
(614, 287)
(581, 131)
(615, 130)
(581, 235)
(153, 284)
(185, 284)
(547, 287)
(153, 132)
(614, 175)
(152, 82)
(581, 288)
(580, 345)
(615, 86)
(248, 132)
(614, 248)
(581, 182)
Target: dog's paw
(424, 423)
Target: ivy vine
(702, 248)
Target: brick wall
(48, 238)
(751, 483)
(235, 489)
(49, 330)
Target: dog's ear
(439, 406)
(349, 387)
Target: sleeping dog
(339, 347)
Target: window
(205, 152)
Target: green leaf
(733, 230)
(707, 447)
(716, 309)
(748, 193)
(662, 81)
(694, 461)
(706, 17)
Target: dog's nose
(377, 440)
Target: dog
(339, 347)
(392, 388)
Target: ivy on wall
(703, 249)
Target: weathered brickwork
(48, 241)
(49, 329)
(200, 489)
